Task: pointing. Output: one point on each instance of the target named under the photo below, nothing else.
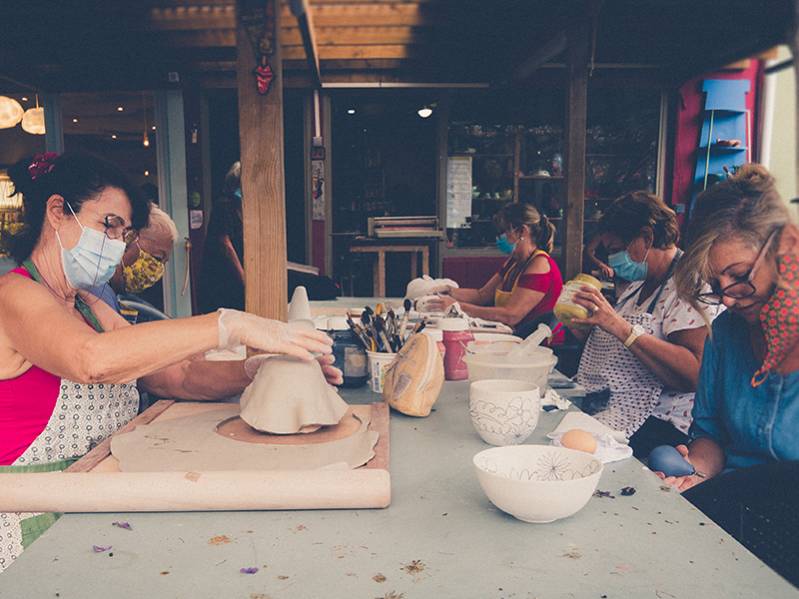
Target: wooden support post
(262, 171)
(576, 115)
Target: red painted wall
(690, 102)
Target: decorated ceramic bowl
(504, 412)
(537, 483)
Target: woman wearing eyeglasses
(641, 359)
(70, 366)
(744, 243)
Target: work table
(440, 537)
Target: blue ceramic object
(669, 461)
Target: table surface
(440, 537)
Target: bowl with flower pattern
(537, 483)
(504, 412)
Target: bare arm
(230, 253)
(520, 302)
(590, 250)
(44, 332)
(705, 455)
(198, 379)
(674, 361)
(477, 297)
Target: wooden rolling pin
(193, 491)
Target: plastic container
(565, 309)
(436, 335)
(534, 368)
(378, 363)
(497, 344)
(456, 335)
(349, 354)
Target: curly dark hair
(76, 177)
(633, 211)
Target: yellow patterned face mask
(145, 272)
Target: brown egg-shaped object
(580, 440)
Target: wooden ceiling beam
(302, 12)
(369, 15)
(353, 52)
(193, 18)
(325, 36)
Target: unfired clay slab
(193, 444)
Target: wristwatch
(637, 331)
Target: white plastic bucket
(378, 363)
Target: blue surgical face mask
(505, 246)
(627, 268)
(237, 192)
(93, 260)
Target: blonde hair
(746, 207)
(158, 237)
(515, 216)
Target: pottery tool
(380, 327)
(408, 305)
(669, 461)
(96, 484)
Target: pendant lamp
(33, 119)
(10, 112)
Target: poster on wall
(459, 190)
(318, 189)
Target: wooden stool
(379, 265)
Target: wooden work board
(96, 484)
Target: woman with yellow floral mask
(154, 247)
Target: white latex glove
(271, 336)
(333, 375)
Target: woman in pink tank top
(71, 367)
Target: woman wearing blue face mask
(641, 360)
(528, 285)
(70, 366)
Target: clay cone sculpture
(290, 396)
(300, 307)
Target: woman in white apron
(641, 360)
(70, 366)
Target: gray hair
(746, 207)
(160, 235)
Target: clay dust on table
(219, 540)
(415, 567)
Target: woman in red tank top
(70, 367)
(528, 285)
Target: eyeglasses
(115, 229)
(743, 287)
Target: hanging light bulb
(33, 119)
(425, 112)
(145, 139)
(10, 112)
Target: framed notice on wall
(459, 190)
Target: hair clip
(42, 164)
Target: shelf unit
(725, 118)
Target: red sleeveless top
(26, 404)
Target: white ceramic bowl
(533, 369)
(537, 483)
(504, 412)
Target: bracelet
(636, 332)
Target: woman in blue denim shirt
(744, 244)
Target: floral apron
(607, 366)
(83, 416)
